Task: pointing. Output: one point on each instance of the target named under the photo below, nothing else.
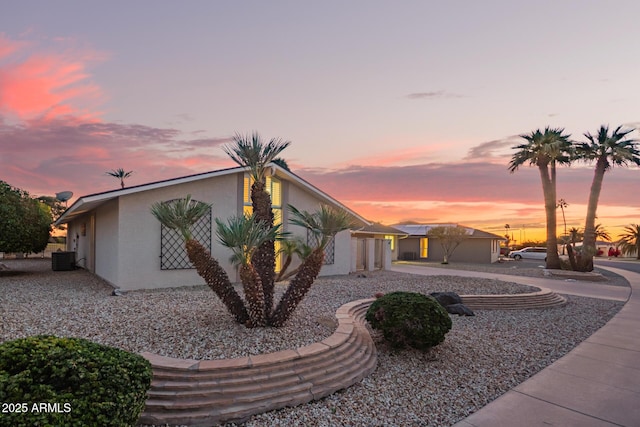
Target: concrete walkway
(596, 384)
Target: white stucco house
(115, 236)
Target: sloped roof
(90, 202)
(423, 230)
(377, 228)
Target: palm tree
(253, 153)
(289, 248)
(121, 174)
(545, 150)
(180, 215)
(601, 233)
(607, 150)
(630, 240)
(323, 225)
(243, 235)
(575, 235)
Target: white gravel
(481, 357)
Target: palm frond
(180, 214)
(243, 235)
(250, 151)
(323, 224)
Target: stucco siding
(139, 244)
(107, 234)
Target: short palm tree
(323, 225)
(575, 235)
(289, 248)
(545, 150)
(181, 215)
(120, 174)
(243, 235)
(252, 152)
(607, 150)
(630, 240)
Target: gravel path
(481, 358)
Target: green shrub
(409, 319)
(71, 382)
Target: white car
(529, 253)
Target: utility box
(63, 261)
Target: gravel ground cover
(481, 358)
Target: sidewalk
(596, 384)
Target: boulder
(459, 309)
(446, 298)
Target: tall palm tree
(323, 225)
(243, 236)
(252, 152)
(120, 174)
(630, 240)
(181, 215)
(607, 150)
(545, 150)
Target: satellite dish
(63, 196)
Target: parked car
(529, 253)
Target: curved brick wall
(202, 393)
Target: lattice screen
(329, 250)
(173, 255)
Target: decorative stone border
(544, 298)
(206, 392)
(202, 393)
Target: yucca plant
(243, 235)
(181, 215)
(323, 225)
(250, 151)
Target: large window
(173, 254)
(274, 188)
(424, 247)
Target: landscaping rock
(452, 303)
(459, 309)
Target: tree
(630, 240)
(181, 215)
(323, 225)
(120, 174)
(545, 150)
(243, 236)
(253, 153)
(575, 235)
(25, 223)
(56, 207)
(607, 150)
(449, 238)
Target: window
(173, 254)
(274, 188)
(424, 247)
(391, 239)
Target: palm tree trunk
(217, 279)
(589, 240)
(298, 288)
(549, 191)
(283, 270)
(264, 257)
(254, 296)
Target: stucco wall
(107, 233)
(139, 243)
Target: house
(478, 247)
(115, 236)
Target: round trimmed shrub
(409, 319)
(52, 381)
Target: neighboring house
(376, 246)
(115, 235)
(478, 247)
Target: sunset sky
(403, 111)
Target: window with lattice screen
(173, 254)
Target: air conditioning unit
(63, 261)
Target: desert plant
(181, 215)
(120, 174)
(409, 319)
(82, 382)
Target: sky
(403, 111)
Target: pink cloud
(47, 84)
